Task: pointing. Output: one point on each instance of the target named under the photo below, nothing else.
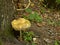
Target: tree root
(24, 8)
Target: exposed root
(24, 8)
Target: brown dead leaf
(39, 24)
(32, 4)
(20, 39)
(50, 17)
(58, 28)
(58, 18)
(44, 23)
(19, 5)
(24, 5)
(57, 38)
(45, 15)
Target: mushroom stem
(20, 34)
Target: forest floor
(49, 30)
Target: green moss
(1, 42)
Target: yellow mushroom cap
(20, 24)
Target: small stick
(24, 8)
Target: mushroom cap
(20, 24)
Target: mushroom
(20, 24)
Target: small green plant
(58, 23)
(42, 9)
(1, 42)
(58, 1)
(33, 16)
(56, 42)
(50, 22)
(52, 4)
(33, 43)
(28, 10)
(28, 36)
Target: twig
(24, 8)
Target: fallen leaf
(44, 23)
(39, 24)
(45, 15)
(32, 4)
